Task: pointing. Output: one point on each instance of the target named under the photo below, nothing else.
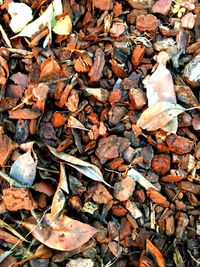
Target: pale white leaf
(43, 21)
(140, 179)
(86, 168)
(58, 8)
(160, 86)
(74, 123)
(159, 115)
(24, 169)
(4, 255)
(21, 15)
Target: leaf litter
(84, 167)
(75, 78)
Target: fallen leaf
(63, 234)
(24, 169)
(63, 179)
(84, 167)
(9, 238)
(158, 92)
(4, 255)
(3, 224)
(74, 123)
(140, 179)
(159, 115)
(150, 248)
(41, 22)
(50, 69)
(21, 15)
(58, 204)
(63, 26)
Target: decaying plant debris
(99, 133)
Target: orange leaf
(64, 234)
(50, 69)
(150, 248)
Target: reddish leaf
(50, 69)
(64, 234)
(156, 253)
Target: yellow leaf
(63, 26)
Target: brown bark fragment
(17, 199)
(178, 144)
(110, 147)
(157, 198)
(95, 72)
(101, 194)
(146, 23)
(6, 148)
(182, 224)
(190, 187)
(102, 4)
(25, 114)
(137, 55)
(161, 164)
(124, 189)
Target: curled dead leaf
(156, 253)
(159, 115)
(63, 234)
(84, 167)
(24, 169)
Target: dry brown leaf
(57, 204)
(74, 123)
(63, 234)
(150, 248)
(3, 224)
(9, 238)
(84, 167)
(140, 179)
(50, 69)
(159, 115)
